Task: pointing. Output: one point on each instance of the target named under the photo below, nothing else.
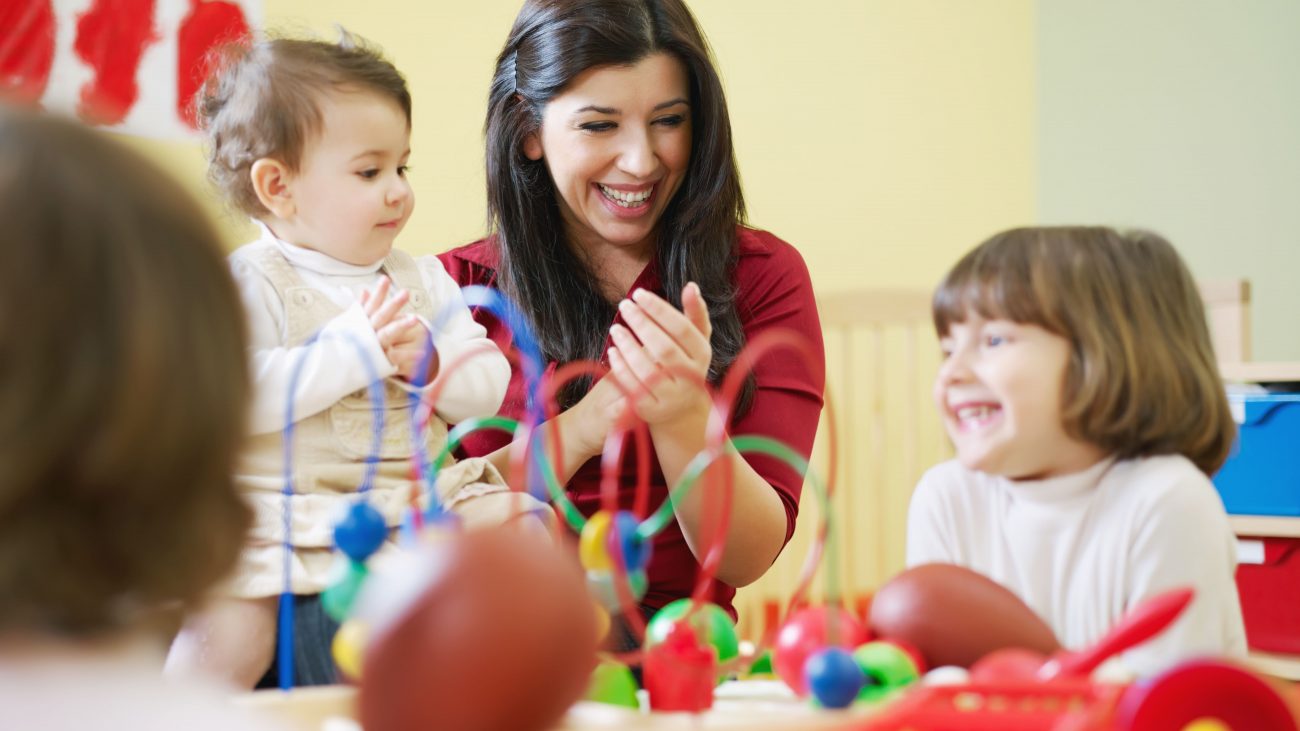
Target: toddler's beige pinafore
(329, 453)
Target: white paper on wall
(128, 65)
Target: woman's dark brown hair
(1142, 377)
(263, 100)
(122, 359)
(551, 43)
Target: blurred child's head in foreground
(122, 355)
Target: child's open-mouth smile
(974, 416)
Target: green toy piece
(338, 597)
(710, 620)
(762, 667)
(888, 668)
(612, 683)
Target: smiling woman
(619, 228)
(617, 143)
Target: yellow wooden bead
(349, 647)
(593, 545)
(602, 621)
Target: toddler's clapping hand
(403, 337)
(408, 349)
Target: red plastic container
(1205, 690)
(1270, 596)
(1009, 706)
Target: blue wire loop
(532, 365)
(419, 455)
(376, 389)
(504, 310)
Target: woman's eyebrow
(612, 110)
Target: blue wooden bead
(636, 552)
(361, 531)
(833, 677)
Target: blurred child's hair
(1142, 377)
(122, 358)
(263, 100)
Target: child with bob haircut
(121, 354)
(311, 139)
(1080, 390)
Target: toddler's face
(999, 395)
(350, 194)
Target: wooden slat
(1265, 526)
(1260, 372)
(1227, 308)
(1224, 291)
(879, 473)
(1286, 667)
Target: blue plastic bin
(1262, 474)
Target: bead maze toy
(410, 650)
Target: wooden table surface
(761, 705)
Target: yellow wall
(882, 138)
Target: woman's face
(617, 143)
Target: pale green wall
(1182, 116)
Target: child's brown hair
(122, 358)
(263, 100)
(1142, 377)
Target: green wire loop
(746, 444)
(659, 519)
(511, 426)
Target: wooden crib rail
(1227, 309)
(881, 357)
